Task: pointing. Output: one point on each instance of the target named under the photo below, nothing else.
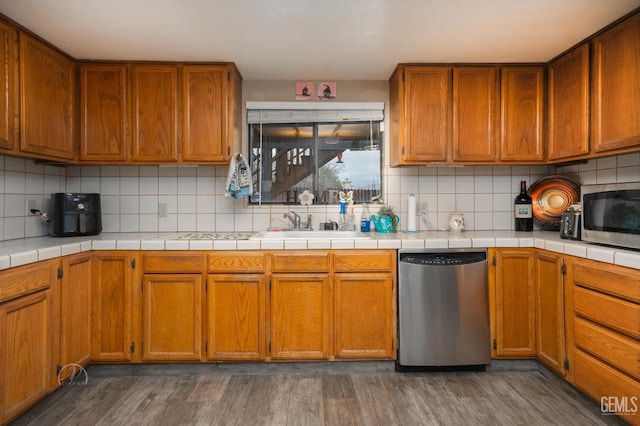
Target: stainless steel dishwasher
(443, 309)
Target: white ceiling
(316, 39)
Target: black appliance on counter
(75, 214)
(570, 225)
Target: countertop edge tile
(128, 244)
(5, 262)
(24, 258)
(555, 246)
(319, 244)
(68, 249)
(176, 245)
(601, 254)
(49, 253)
(483, 242)
(103, 245)
(23, 251)
(152, 245)
(630, 260)
(248, 245)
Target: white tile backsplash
(196, 202)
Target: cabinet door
(475, 113)
(75, 311)
(364, 316)
(236, 317)
(172, 317)
(154, 113)
(25, 352)
(420, 98)
(300, 316)
(9, 106)
(568, 108)
(47, 80)
(514, 319)
(522, 114)
(103, 121)
(111, 295)
(616, 96)
(206, 113)
(550, 310)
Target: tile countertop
(20, 252)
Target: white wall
(22, 180)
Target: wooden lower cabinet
(511, 279)
(300, 316)
(113, 280)
(171, 317)
(606, 322)
(75, 313)
(26, 373)
(236, 317)
(550, 324)
(364, 316)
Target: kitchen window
(323, 148)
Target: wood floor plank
(209, 388)
(305, 402)
(340, 403)
(295, 395)
(374, 399)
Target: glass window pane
(322, 158)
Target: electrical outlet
(31, 205)
(421, 207)
(162, 210)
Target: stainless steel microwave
(611, 214)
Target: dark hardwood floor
(314, 394)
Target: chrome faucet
(294, 218)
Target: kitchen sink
(310, 235)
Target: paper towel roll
(411, 213)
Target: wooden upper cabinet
(475, 113)
(522, 114)
(568, 107)
(9, 105)
(615, 121)
(420, 106)
(211, 93)
(47, 80)
(154, 113)
(103, 128)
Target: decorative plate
(551, 196)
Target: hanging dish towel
(239, 178)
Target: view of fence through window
(323, 158)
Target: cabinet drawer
(609, 311)
(350, 261)
(599, 380)
(26, 279)
(236, 262)
(172, 263)
(618, 350)
(309, 261)
(616, 280)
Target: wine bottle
(523, 211)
